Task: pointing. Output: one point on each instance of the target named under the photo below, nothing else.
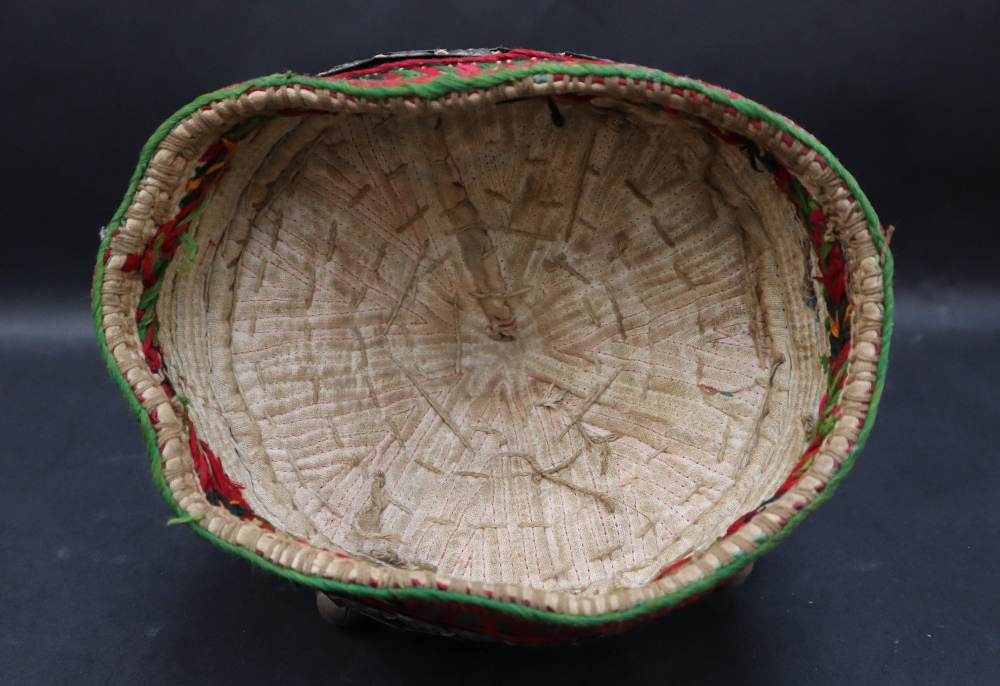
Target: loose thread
(885, 243)
(359, 196)
(501, 294)
(621, 245)
(437, 262)
(498, 195)
(552, 397)
(588, 403)
(458, 334)
(639, 195)
(277, 230)
(367, 520)
(379, 256)
(439, 520)
(537, 471)
(359, 296)
(395, 173)
(556, 573)
(562, 262)
(445, 417)
(581, 176)
(406, 289)
(395, 432)
(604, 444)
(684, 277)
(521, 232)
(428, 466)
(607, 552)
(363, 349)
(617, 310)
(477, 475)
(565, 464)
(590, 311)
(186, 519)
(660, 229)
(336, 434)
(421, 211)
(331, 246)
(310, 287)
(191, 251)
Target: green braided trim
(439, 87)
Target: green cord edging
(443, 85)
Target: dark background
(895, 582)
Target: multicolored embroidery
(835, 290)
(425, 69)
(480, 616)
(152, 263)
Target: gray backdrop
(894, 582)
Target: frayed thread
(186, 519)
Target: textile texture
(499, 343)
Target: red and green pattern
(425, 69)
(428, 77)
(151, 263)
(835, 288)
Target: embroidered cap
(495, 343)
